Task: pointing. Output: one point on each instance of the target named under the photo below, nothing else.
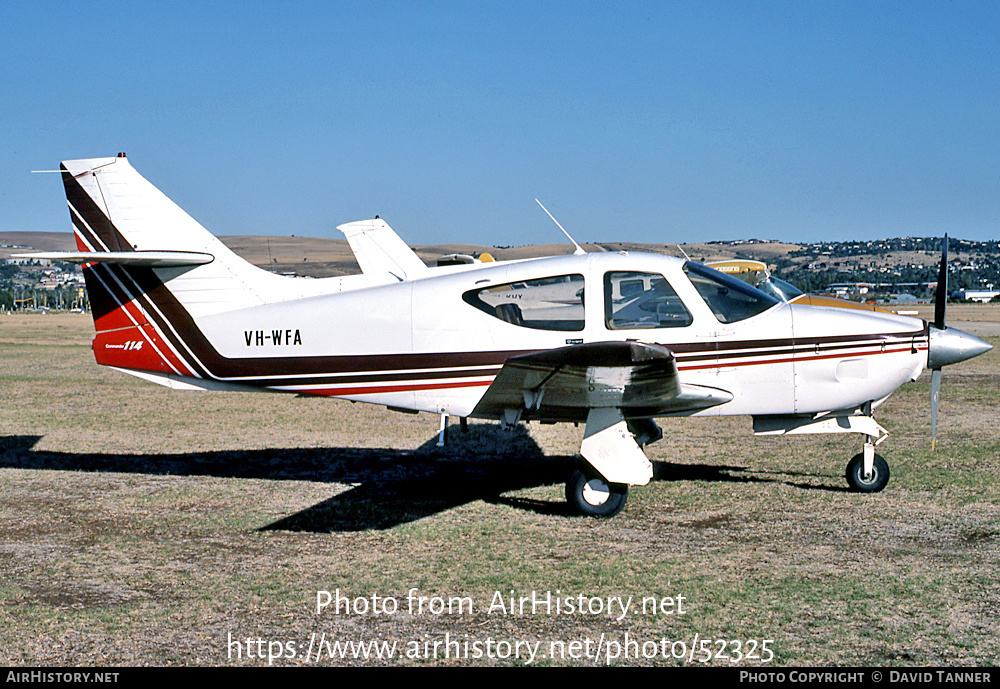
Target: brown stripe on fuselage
(143, 285)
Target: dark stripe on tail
(97, 218)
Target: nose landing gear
(871, 482)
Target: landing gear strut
(591, 495)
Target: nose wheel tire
(589, 494)
(857, 480)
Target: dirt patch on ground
(146, 527)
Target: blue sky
(650, 122)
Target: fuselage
(436, 343)
(175, 306)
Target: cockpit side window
(549, 303)
(731, 300)
(641, 300)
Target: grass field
(140, 526)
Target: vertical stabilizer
(146, 309)
(113, 208)
(379, 249)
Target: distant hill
(35, 241)
(319, 257)
(911, 262)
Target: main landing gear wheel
(590, 495)
(856, 474)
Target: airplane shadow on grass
(388, 486)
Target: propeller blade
(946, 345)
(941, 297)
(935, 397)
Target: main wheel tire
(590, 495)
(856, 474)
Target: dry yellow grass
(146, 527)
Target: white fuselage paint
(788, 359)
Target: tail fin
(379, 249)
(114, 209)
(154, 269)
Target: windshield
(730, 299)
(779, 289)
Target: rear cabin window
(642, 300)
(550, 303)
(729, 299)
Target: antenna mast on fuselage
(579, 249)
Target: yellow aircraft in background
(756, 273)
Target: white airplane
(613, 340)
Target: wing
(611, 385)
(565, 383)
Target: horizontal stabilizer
(151, 259)
(176, 382)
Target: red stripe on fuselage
(127, 323)
(798, 358)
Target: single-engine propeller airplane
(613, 340)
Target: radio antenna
(579, 249)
